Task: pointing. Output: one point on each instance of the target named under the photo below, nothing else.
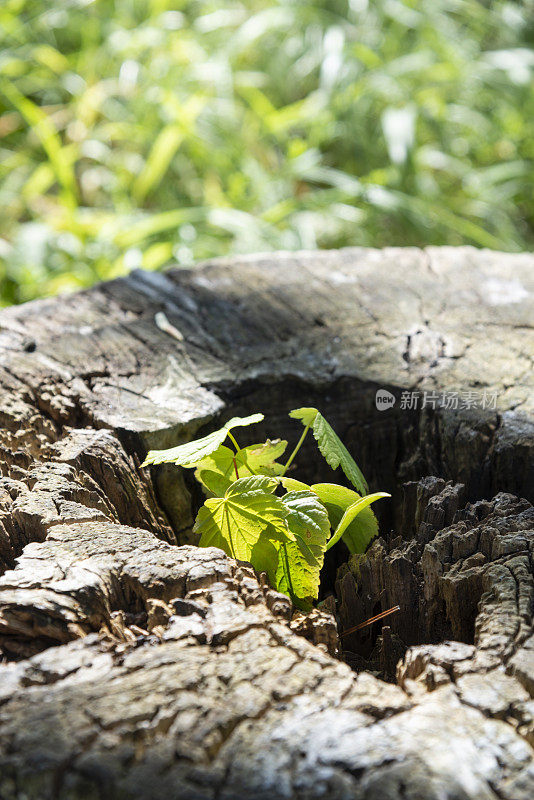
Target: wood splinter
(371, 620)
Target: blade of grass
(48, 137)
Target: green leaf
(215, 483)
(351, 512)
(306, 415)
(247, 511)
(336, 499)
(264, 558)
(220, 461)
(307, 516)
(300, 561)
(189, 454)
(253, 483)
(261, 458)
(331, 446)
(293, 485)
(251, 460)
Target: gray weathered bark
(135, 664)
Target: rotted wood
(466, 576)
(135, 664)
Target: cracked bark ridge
(132, 667)
(464, 584)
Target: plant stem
(295, 451)
(238, 449)
(231, 436)
(286, 559)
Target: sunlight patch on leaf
(249, 510)
(252, 460)
(292, 485)
(189, 454)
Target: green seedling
(256, 513)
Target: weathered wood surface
(135, 668)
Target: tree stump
(137, 665)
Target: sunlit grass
(139, 133)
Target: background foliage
(145, 132)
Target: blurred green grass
(140, 133)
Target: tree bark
(135, 664)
